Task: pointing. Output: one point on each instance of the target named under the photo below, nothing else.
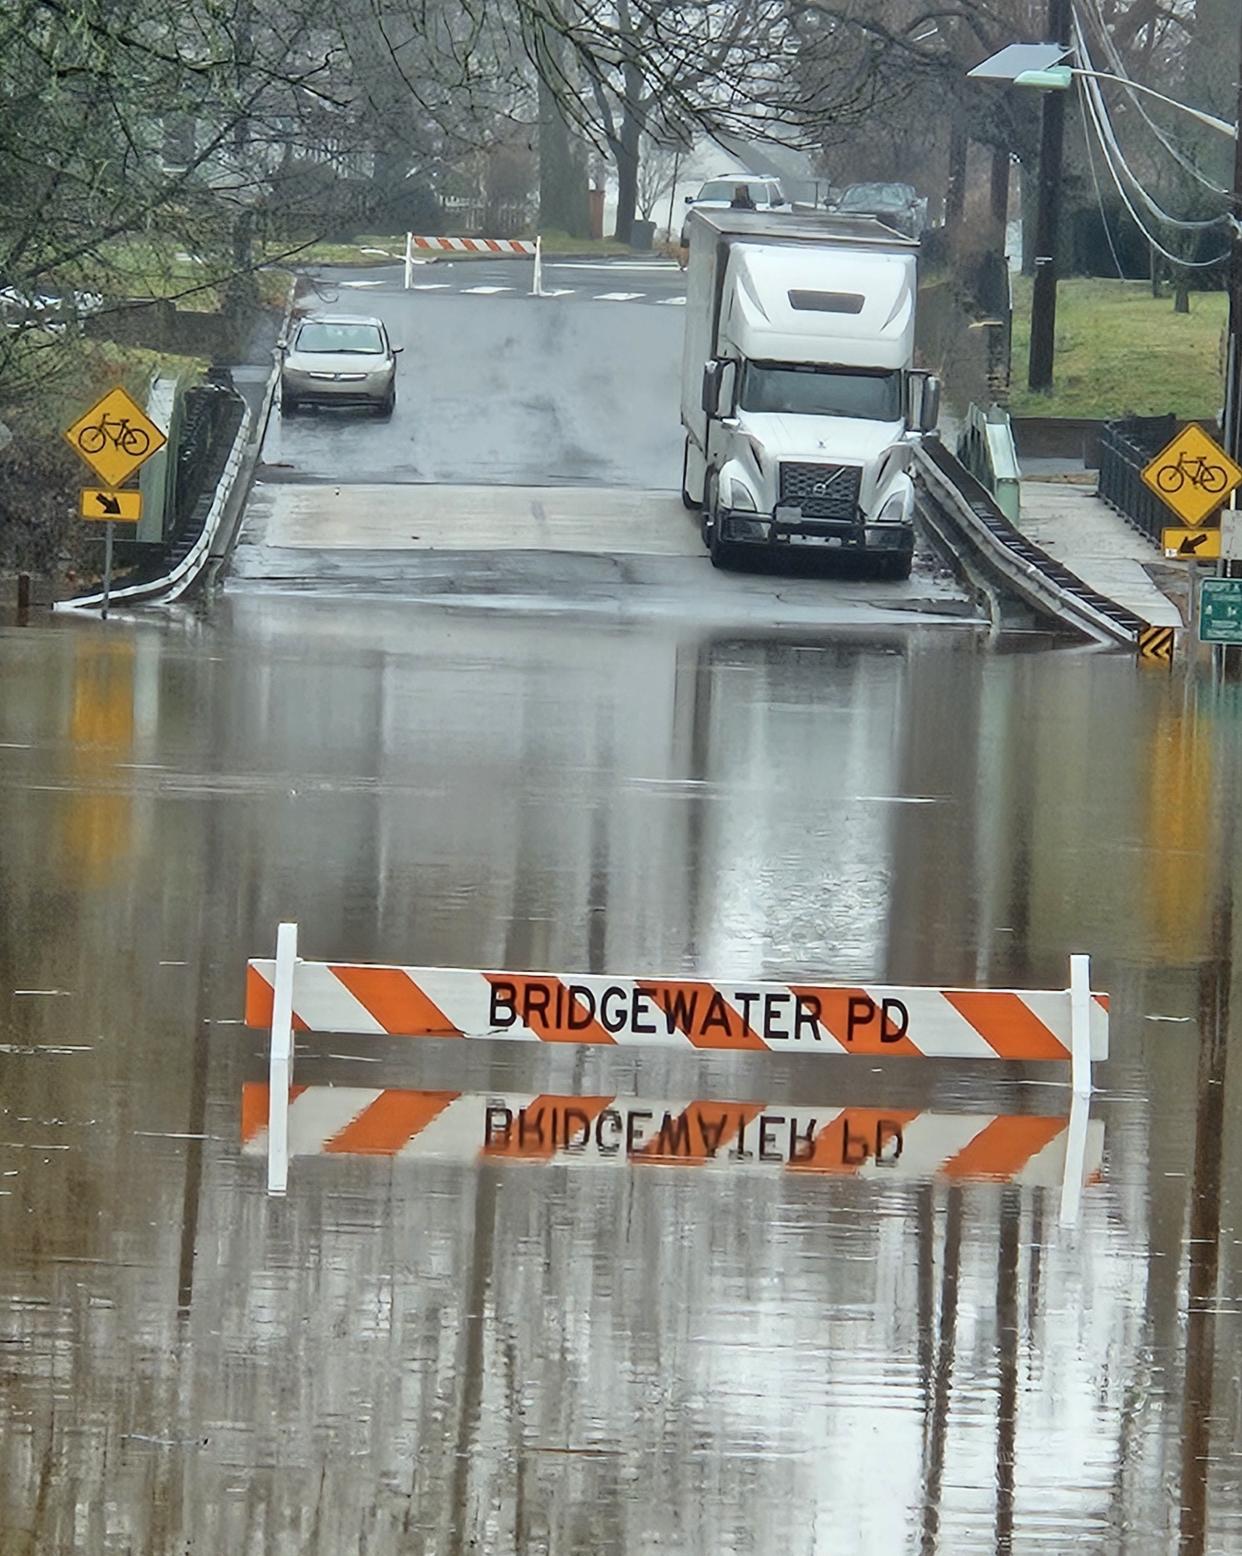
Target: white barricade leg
(1080, 1024)
(409, 260)
(280, 1060)
(536, 285)
(1075, 1159)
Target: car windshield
(820, 391)
(361, 339)
(863, 196)
(726, 188)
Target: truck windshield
(821, 391)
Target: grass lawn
(1120, 350)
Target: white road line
(362, 283)
(483, 291)
(557, 291)
(430, 286)
(603, 264)
(671, 302)
(617, 297)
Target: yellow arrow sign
(1199, 545)
(1193, 475)
(115, 436)
(120, 507)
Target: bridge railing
(986, 447)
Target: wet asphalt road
(495, 385)
(441, 1354)
(517, 395)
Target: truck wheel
(686, 500)
(896, 565)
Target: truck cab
(800, 399)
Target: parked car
(718, 194)
(897, 205)
(342, 359)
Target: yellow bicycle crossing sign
(115, 436)
(1193, 476)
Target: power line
(1109, 134)
(1119, 69)
(1099, 200)
(1088, 97)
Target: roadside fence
(1126, 448)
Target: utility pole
(1048, 215)
(1233, 363)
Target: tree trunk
(1181, 298)
(955, 189)
(563, 202)
(627, 154)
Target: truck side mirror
(929, 417)
(719, 387)
(689, 199)
(923, 412)
(713, 376)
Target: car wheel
(387, 405)
(288, 405)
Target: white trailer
(800, 398)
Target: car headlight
(742, 500)
(894, 510)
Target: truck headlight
(894, 510)
(742, 500)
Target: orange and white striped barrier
(530, 248)
(609, 1131)
(808, 1017)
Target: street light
(1058, 78)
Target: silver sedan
(339, 360)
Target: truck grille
(822, 491)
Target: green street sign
(1220, 610)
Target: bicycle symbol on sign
(1194, 470)
(117, 431)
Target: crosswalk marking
(430, 286)
(484, 291)
(672, 302)
(617, 297)
(557, 291)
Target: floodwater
(442, 1350)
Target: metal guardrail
(1126, 447)
(986, 447)
(971, 519)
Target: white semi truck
(799, 396)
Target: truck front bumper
(758, 529)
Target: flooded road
(433, 1347)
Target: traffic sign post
(115, 437)
(1191, 545)
(1220, 611)
(1193, 476)
(117, 507)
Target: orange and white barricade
(530, 248)
(851, 1142)
(808, 1017)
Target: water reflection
(459, 1353)
(895, 1142)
